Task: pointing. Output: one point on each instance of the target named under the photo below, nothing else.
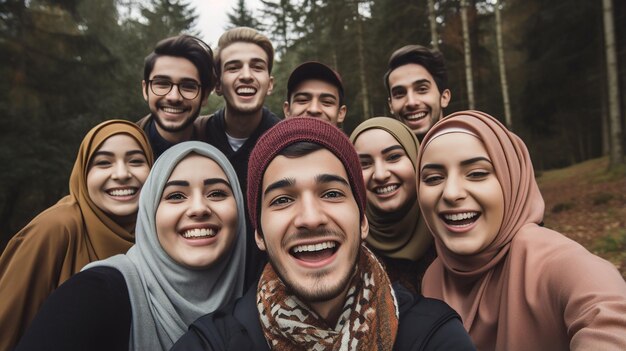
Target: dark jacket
(425, 324)
(90, 311)
(212, 129)
(157, 142)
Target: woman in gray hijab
(188, 261)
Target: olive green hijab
(402, 234)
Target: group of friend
(242, 231)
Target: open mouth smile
(122, 192)
(387, 189)
(415, 116)
(199, 233)
(462, 219)
(246, 91)
(316, 254)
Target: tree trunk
(468, 56)
(365, 99)
(617, 154)
(502, 66)
(432, 18)
(606, 147)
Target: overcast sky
(213, 16)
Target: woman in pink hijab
(516, 284)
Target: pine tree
(240, 16)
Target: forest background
(551, 70)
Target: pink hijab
(531, 288)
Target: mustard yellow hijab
(61, 240)
(402, 234)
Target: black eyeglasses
(189, 90)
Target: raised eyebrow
(392, 148)
(102, 153)
(421, 81)
(330, 178)
(160, 76)
(474, 160)
(135, 152)
(233, 62)
(170, 79)
(433, 166)
(176, 183)
(463, 163)
(213, 181)
(283, 183)
(258, 60)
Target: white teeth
(173, 110)
(199, 233)
(386, 189)
(316, 247)
(246, 91)
(415, 116)
(460, 216)
(122, 192)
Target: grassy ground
(588, 204)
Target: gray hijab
(165, 296)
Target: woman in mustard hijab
(95, 221)
(387, 150)
(516, 284)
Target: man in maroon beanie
(322, 289)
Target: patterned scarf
(369, 320)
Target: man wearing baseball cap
(315, 90)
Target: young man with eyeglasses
(178, 78)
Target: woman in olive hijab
(387, 150)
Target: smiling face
(415, 99)
(310, 224)
(116, 173)
(172, 113)
(245, 79)
(387, 170)
(196, 220)
(459, 194)
(315, 98)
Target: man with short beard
(322, 289)
(178, 78)
(417, 84)
(243, 62)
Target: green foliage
(240, 16)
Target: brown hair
(432, 60)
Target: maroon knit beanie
(294, 130)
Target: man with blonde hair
(244, 59)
